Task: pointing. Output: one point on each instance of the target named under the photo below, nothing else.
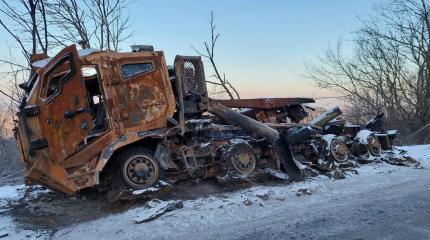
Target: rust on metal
(115, 120)
(265, 103)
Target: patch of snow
(156, 209)
(334, 111)
(352, 125)
(8, 228)
(206, 218)
(11, 192)
(203, 145)
(81, 53)
(238, 141)
(419, 152)
(363, 136)
(391, 132)
(145, 190)
(328, 138)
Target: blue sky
(263, 44)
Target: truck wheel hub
(244, 158)
(339, 150)
(374, 146)
(243, 161)
(140, 171)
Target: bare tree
(389, 68)
(210, 55)
(92, 22)
(26, 24)
(110, 23)
(101, 24)
(71, 17)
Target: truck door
(64, 114)
(143, 89)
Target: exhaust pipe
(293, 167)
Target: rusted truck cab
(82, 106)
(123, 122)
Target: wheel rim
(140, 171)
(374, 146)
(244, 162)
(339, 150)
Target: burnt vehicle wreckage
(126, 122)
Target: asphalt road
(401, 211)
(389, 206)
(381, 202)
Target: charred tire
(241, 159)
(137, 168)
(371, 146)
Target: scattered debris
(280, 198)
(276, 174)
(338, 174)
(264, 195)
(400, 160)
(232, 178)
(2, 235)
(304, 192)
(247, 202)
(156, 209)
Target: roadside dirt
(48, 210)
(42, 209)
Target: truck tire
(137, 168)
(240, 158)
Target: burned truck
(120, 121)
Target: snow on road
(8, 228)
(222, 215)
(211, 217)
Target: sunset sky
(263, 44)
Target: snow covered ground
(9, 229)
(249, 211)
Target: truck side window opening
(130, 70)
(56, 76)
(88, 71)
(95, 98)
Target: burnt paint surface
(63, 134)
(264, 103)
(45, 166)
(142, 102)
(145, 100)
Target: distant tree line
(389, 68)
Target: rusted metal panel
(264, 103)
(144, 100)
(63, 135)
(136, 94)
(90, 151)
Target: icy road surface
(380, 202)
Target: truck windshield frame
(63, 76)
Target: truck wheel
(138, 168)
(241, 158)
(338, 150)
(374, 146)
